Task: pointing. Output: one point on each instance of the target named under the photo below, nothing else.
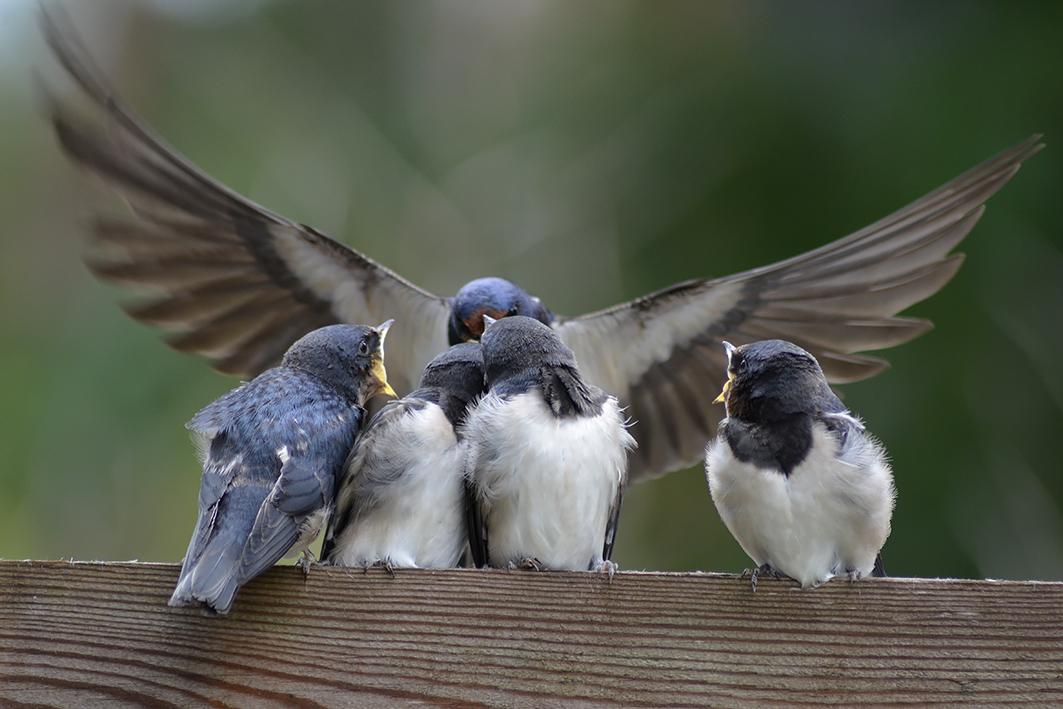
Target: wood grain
(101, 635)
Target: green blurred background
(591, 152)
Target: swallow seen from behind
(271, 451)
(401, 499)
(798, 481)
(547, 455)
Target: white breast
(830, 516)
(420, 518)
(547, 485)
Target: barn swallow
(239, 283)
(796, 477)
(401, 499)
(547, 455)
(271, 451)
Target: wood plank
(101, 635)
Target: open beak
(730, 375)
(378, 371)
(723, 394)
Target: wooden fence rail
(101, 635)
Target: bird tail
(209, 579)
(879, 570)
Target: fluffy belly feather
(548, 484)
(828, 517)
(419, 519)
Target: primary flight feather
(239, 284)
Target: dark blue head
(521, 353)
(518, 348)
(496, 297)
(774, 379)
(350, 358)
(459, 371)
(453, 380)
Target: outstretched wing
(662, 356)
(238, 283)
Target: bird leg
(306, 561)
(605, 566)
(765, 569)
(380, 563)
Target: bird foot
(306, 561)
(382, 564)
(763, 569)
(606, 566)
(531, 564)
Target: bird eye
(513, 311)
(363, 348)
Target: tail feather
(879, 571)
(211, 578)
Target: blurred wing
(661, 354)
(235, 282)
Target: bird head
(459, 371)
(348, 357)
(773, 379)
(494, 297)
(514, 347)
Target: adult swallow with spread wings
(239, 284)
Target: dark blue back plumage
(272, 449)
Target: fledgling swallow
(547, 456)
(240, 283)
(797, 479)
(271, 451)
(401, 499)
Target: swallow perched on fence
(239, 284)
(401, 499)
(271, 451)
(547, 455)
(797, 479)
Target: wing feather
(198, 243)
(662, 354)
(239, 284)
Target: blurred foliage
(592, 152)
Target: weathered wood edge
(100, 633)
(625, 573)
